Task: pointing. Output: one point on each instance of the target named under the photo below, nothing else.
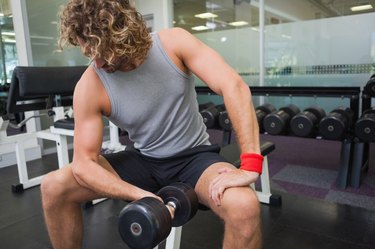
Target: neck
(129, 66)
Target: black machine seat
(67, 123)
(40, 88)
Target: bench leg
(264, 195)
(174, 238)
(25, 181)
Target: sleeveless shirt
(156, 104)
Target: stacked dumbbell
(277, 123)
(370, 86)
(211, 113)
(364, 128)
(261, 111)
(305, 124)
(336, 125)
(144, 223)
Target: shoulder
(91, 92)
(175, 36)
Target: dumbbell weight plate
(144, 223)
(224, 121)
(317, 111)
(370, 86)
(275, 123)
(261, 111)
(278, 122)
(333, 126)
(303, 124)
(186, 201)
(346, 112)
(365, 127)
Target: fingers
(220, 183)
(227, 178)
(224, 170)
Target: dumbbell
(224, 121)
(364, 128)
(261, 111)
(211, 115)
(370, 86)
(205, 105)
(305, 123)
(144, 223)
(336, 124)
(278, 122)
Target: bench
(36, 89)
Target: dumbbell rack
(351, 93)
(361, 150)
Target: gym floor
(300, 222)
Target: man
(144, 84)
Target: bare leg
(62, 197)
(239, 209)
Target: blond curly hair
(110, 29)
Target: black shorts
(151, 174)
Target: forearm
(238, 102)
(93, 176)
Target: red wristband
(251, 162)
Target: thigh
(132, 168)
(232, 196)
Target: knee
(52, 188)
(242, 207)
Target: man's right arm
(90, 103)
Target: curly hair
(110, 29)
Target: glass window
(307, 42)
(43, 21)
(8, 52)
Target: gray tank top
(156, 104)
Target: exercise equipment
(144, 223)
(336, 124)
(211, 115)
(305, 123)
(364, 128)
(205, 105)
(370, 86)
(34, 89)
(224, 121)
(278, 122)
(261, 111)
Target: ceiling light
(206, 15)
(361, 7)
(199, 28)
(239, 23)
(8, 33)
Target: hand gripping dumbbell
(364, 128)
(336, 124)
(278, 122)
(305, 123)
(370, 86)
(261, 111)
(211, 115)
(144, 223)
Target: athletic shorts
(151, 174)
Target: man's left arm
(211, 68)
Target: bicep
(208, 65)
(88, 127)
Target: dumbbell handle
(171, 205)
